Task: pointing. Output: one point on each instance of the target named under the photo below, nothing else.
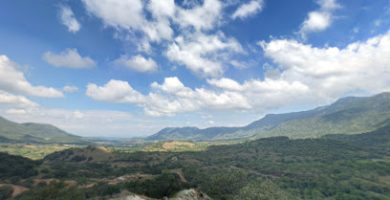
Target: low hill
(190, 133)
(350, 115)
(330, 167)
(34, 133)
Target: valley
(332, 167)
(349, 165)
(194, 100)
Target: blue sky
(124, 68)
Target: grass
(171, 146)
(33, 151)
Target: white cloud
(68, 19)
(169, 98)
(307, 77)
(165, 8)
(70, 89)
(319, 20)
(84, 122)
(225, 83)
(137, 63)
(12, 80)
(265, 95)
(173, 97)
(117, 13)
(130, 16)
(251, 8)
(240, 64)
(94, 123)
(172, 85)
(201, 17)
(14, 111)
(15, 100)
(114, 91)
(316, 21)
(70, 58)
(202, 54)
(331, 72)
(187, 31)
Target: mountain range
(350, 115)
(34, 133)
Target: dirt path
(16, 189)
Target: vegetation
(164, 185)
(352, 115)
(11, 132)
(5, 192)
(15, 167)
(53, 191)
(332, 167)
(33, 151)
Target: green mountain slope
(349, 115)
(330, 167)
(190, 133)
(34, 133)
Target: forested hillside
(332, 167)
(12, 132)
(350, 115)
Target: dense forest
(332, 167)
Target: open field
(33, 151)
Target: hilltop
(12, 132)
(350, 115)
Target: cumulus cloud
(172, 96)
(251, 8)
(186, 30)
(169, 98)
(114, 91)
(15, 100)
(13, 80)
(137, 63)
(117, 13)
(69, 20)
(265, 95)
(319, 20)
(172, 85)
(331, 72)
(130, 16)
(70, 58)
(307, 75)
(201, 17)
(202, 54)
(70, 89)
(225, 83)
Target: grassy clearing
(33, 151)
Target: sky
(128, 68)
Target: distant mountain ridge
(192, 133)
(349, 115)
(34, 133)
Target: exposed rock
(190, 194)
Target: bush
(56, 191)
(164, 185)
(5, 192)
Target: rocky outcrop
(190, 194)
